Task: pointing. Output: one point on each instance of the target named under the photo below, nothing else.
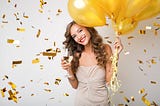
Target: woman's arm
(71, 77)
(109, 71)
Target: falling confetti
(12, 85)
(21, 29)
(35, 61)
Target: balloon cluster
(125, 14)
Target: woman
(90, 69)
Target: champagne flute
(65, 54)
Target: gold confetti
(57, 81)
(35, 61)
(120, 104)
(155, 32)
(47, 90)
(3, 91)
(46, 83)
(21, 29)
(153, 61)
(3, 16)
(12, 85)
(142, 31)
(130, 37)
(126, 99)
(66, 94)
(12, 96)
(38, 33)
(32, 94)
(25, 16)
(17, 62)
(140, 61)
(141, 91)
(59, 11)
(49, 54)
(132, 98)
(153, 82)
(145, 50)
(10, 40)
(146, 102)
(154, 104)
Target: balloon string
(114, 83)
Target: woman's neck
(88, 48)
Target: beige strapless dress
(91, 89)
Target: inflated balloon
(124, 26)
(132, 7)
(86, 13)
(150, 11)
(111, 7)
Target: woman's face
(80, 34)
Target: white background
(52, 26)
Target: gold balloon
(123, 26)
(132, 7)
(86, 13)
(111, 7)
(151, 10)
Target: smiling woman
(90, 68)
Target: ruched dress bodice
(91, 89)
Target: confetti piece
(145, 50)
(57, 81)
(12, 96)
(3, 91)
(17, 62)
(46, 83)
(10, 40)
(126, 53)
(148, 27)
(142, 31)
(49, 54)
(130, 37)
(66, 94)
(153, 61)
(132, 98)
(120, 104)
(12, 85)
(25, 16)
(146, 102)
(38, 33)
(140, 61)
(140, 68)
(153, 103)
(153, 82)
(59, 11)
(141, 91)
(126, 99)
(21, 29)
(35, 61)
(47, 90)
(32, 94)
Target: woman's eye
(74, 36)
(80, 30)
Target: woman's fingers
(118, 45)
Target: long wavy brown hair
(76, 49)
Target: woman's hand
(118, 45)
(66, 64)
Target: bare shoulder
(108, 49)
